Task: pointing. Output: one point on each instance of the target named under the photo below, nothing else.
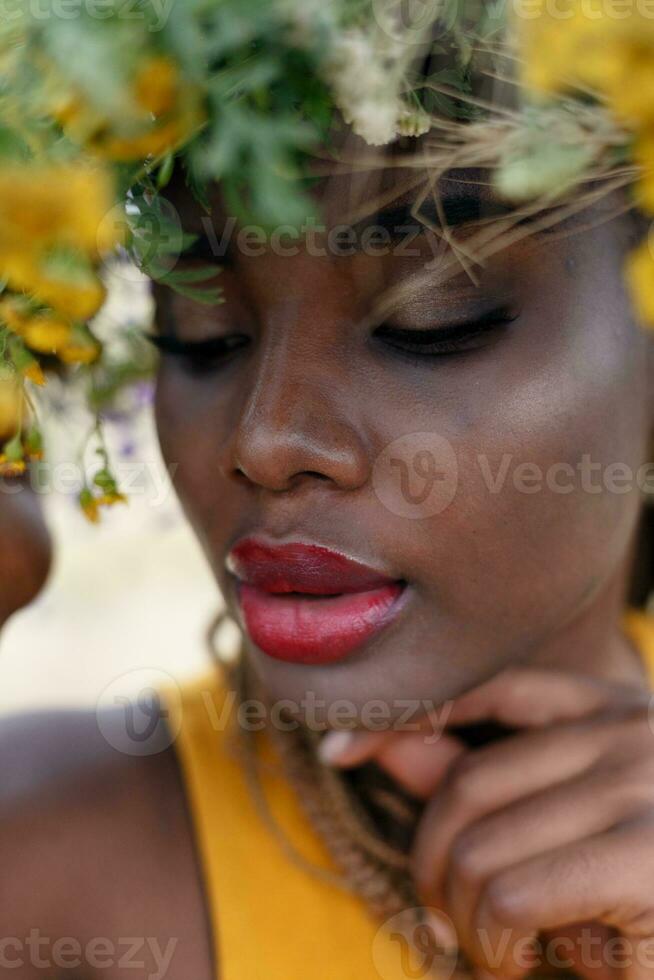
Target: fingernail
(333, 745)
(443, 931)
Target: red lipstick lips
(307, 604)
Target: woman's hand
(547, 833)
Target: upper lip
(302, 567)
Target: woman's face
(476, 449)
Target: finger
(417, 764)
(540, 823)
(605, 878)
(527, 697)
(582, 948)
(494, 777)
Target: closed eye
(200, 356)
(439, 341)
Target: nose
(295, 427)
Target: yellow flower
(109, 499)
(78, 297)
(10, 467)
(14, 311)
(78, 301)
(52, 228)
(155, 140)
(631, 95)
(66, 109)
(156, 87)
(33, 444)
(611, 55)
(90, 506)
(58, 205)
(34, 373)
(46, 333)
(639, 273)
(11, 404)
(644, 158)
(79, 353)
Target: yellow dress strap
(271, 918)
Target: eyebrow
(397, 220)
(449, 212)
(459, 203)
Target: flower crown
(98, 102)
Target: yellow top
(271, 919)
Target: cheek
(188, 425)
(546, 494)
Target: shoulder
(95, 838)
(63, 785)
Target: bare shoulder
(96, 846)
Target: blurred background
(128, 596)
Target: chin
(396, 678)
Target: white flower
(365, 84)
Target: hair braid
(367, 864)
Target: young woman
(499, 596)
(413, 440)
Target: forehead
(377, 213)
(393, 189)
(356, 182)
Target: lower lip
(316, 630)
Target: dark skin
(515, 599)
(25, 555)
(94, 844)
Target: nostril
(314, 475)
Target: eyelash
(441, 341)
(205, 356)
(200, 356)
